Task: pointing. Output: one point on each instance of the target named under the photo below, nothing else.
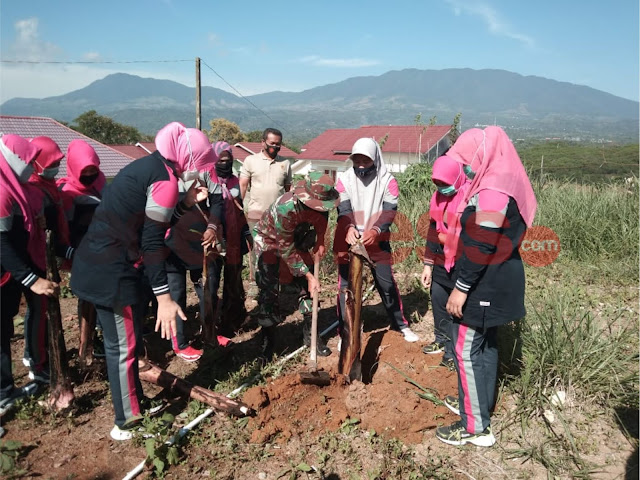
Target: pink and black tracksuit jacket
(128, 227)
(490, 271)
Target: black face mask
(365, 172)
(224, 169)
(272, 151)
(87, 180)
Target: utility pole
(198, 100)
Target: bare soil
(78, 445)
(294, 425)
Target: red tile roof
(240, 150)
(111, 161)
(336, 144)
(135, 151)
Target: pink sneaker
(224, 341)
(189, 354)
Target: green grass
(581, 332)
(584, 163)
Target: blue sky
(295, 45)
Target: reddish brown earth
(384, 401)
(77, 445)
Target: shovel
(313, 376)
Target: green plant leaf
(7, 463)
(150, 447)
(159, 464)
(10, 445)
(303, 467)
(172, 455)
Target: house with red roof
(402, 145)
(111, 160)
(240, 151)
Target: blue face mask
(468, 172)
(448, 190)
(50, 173)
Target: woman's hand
(425, 278)
(209, 238)
(455, 303)
(42, 286)
(369, 237)
(352, 236)
(195, 194)
(166, 317)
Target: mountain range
(526, 106)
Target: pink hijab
(187, 148)
(49, 154)
(447, 170)
(21, 150)
(80, 155)
(492, 156)
(230, 181)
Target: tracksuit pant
(441, 319)
(35, 330)
(122, 331)
(177, 279)
(476, 360)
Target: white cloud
(338, 62)
(28, 46)
(494, 22)
(92, 57)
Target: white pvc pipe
(187, 428)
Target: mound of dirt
(384, 401)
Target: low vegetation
(569, 370)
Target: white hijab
(366, 195)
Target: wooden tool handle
(314, 315)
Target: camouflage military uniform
(286, 232)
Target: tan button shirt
(268, 179)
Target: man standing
(267, 176)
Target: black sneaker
(452, 403)
(449, 364)
(9, 401)
(43, 376)
(456, 434)
(432, 348)
(98, 347)
(152, 406)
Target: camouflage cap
(317, 191)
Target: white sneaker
(120, 434)
(339, 344)
(409, 336)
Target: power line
(242, 96)
(89, 62)
(93, 61)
